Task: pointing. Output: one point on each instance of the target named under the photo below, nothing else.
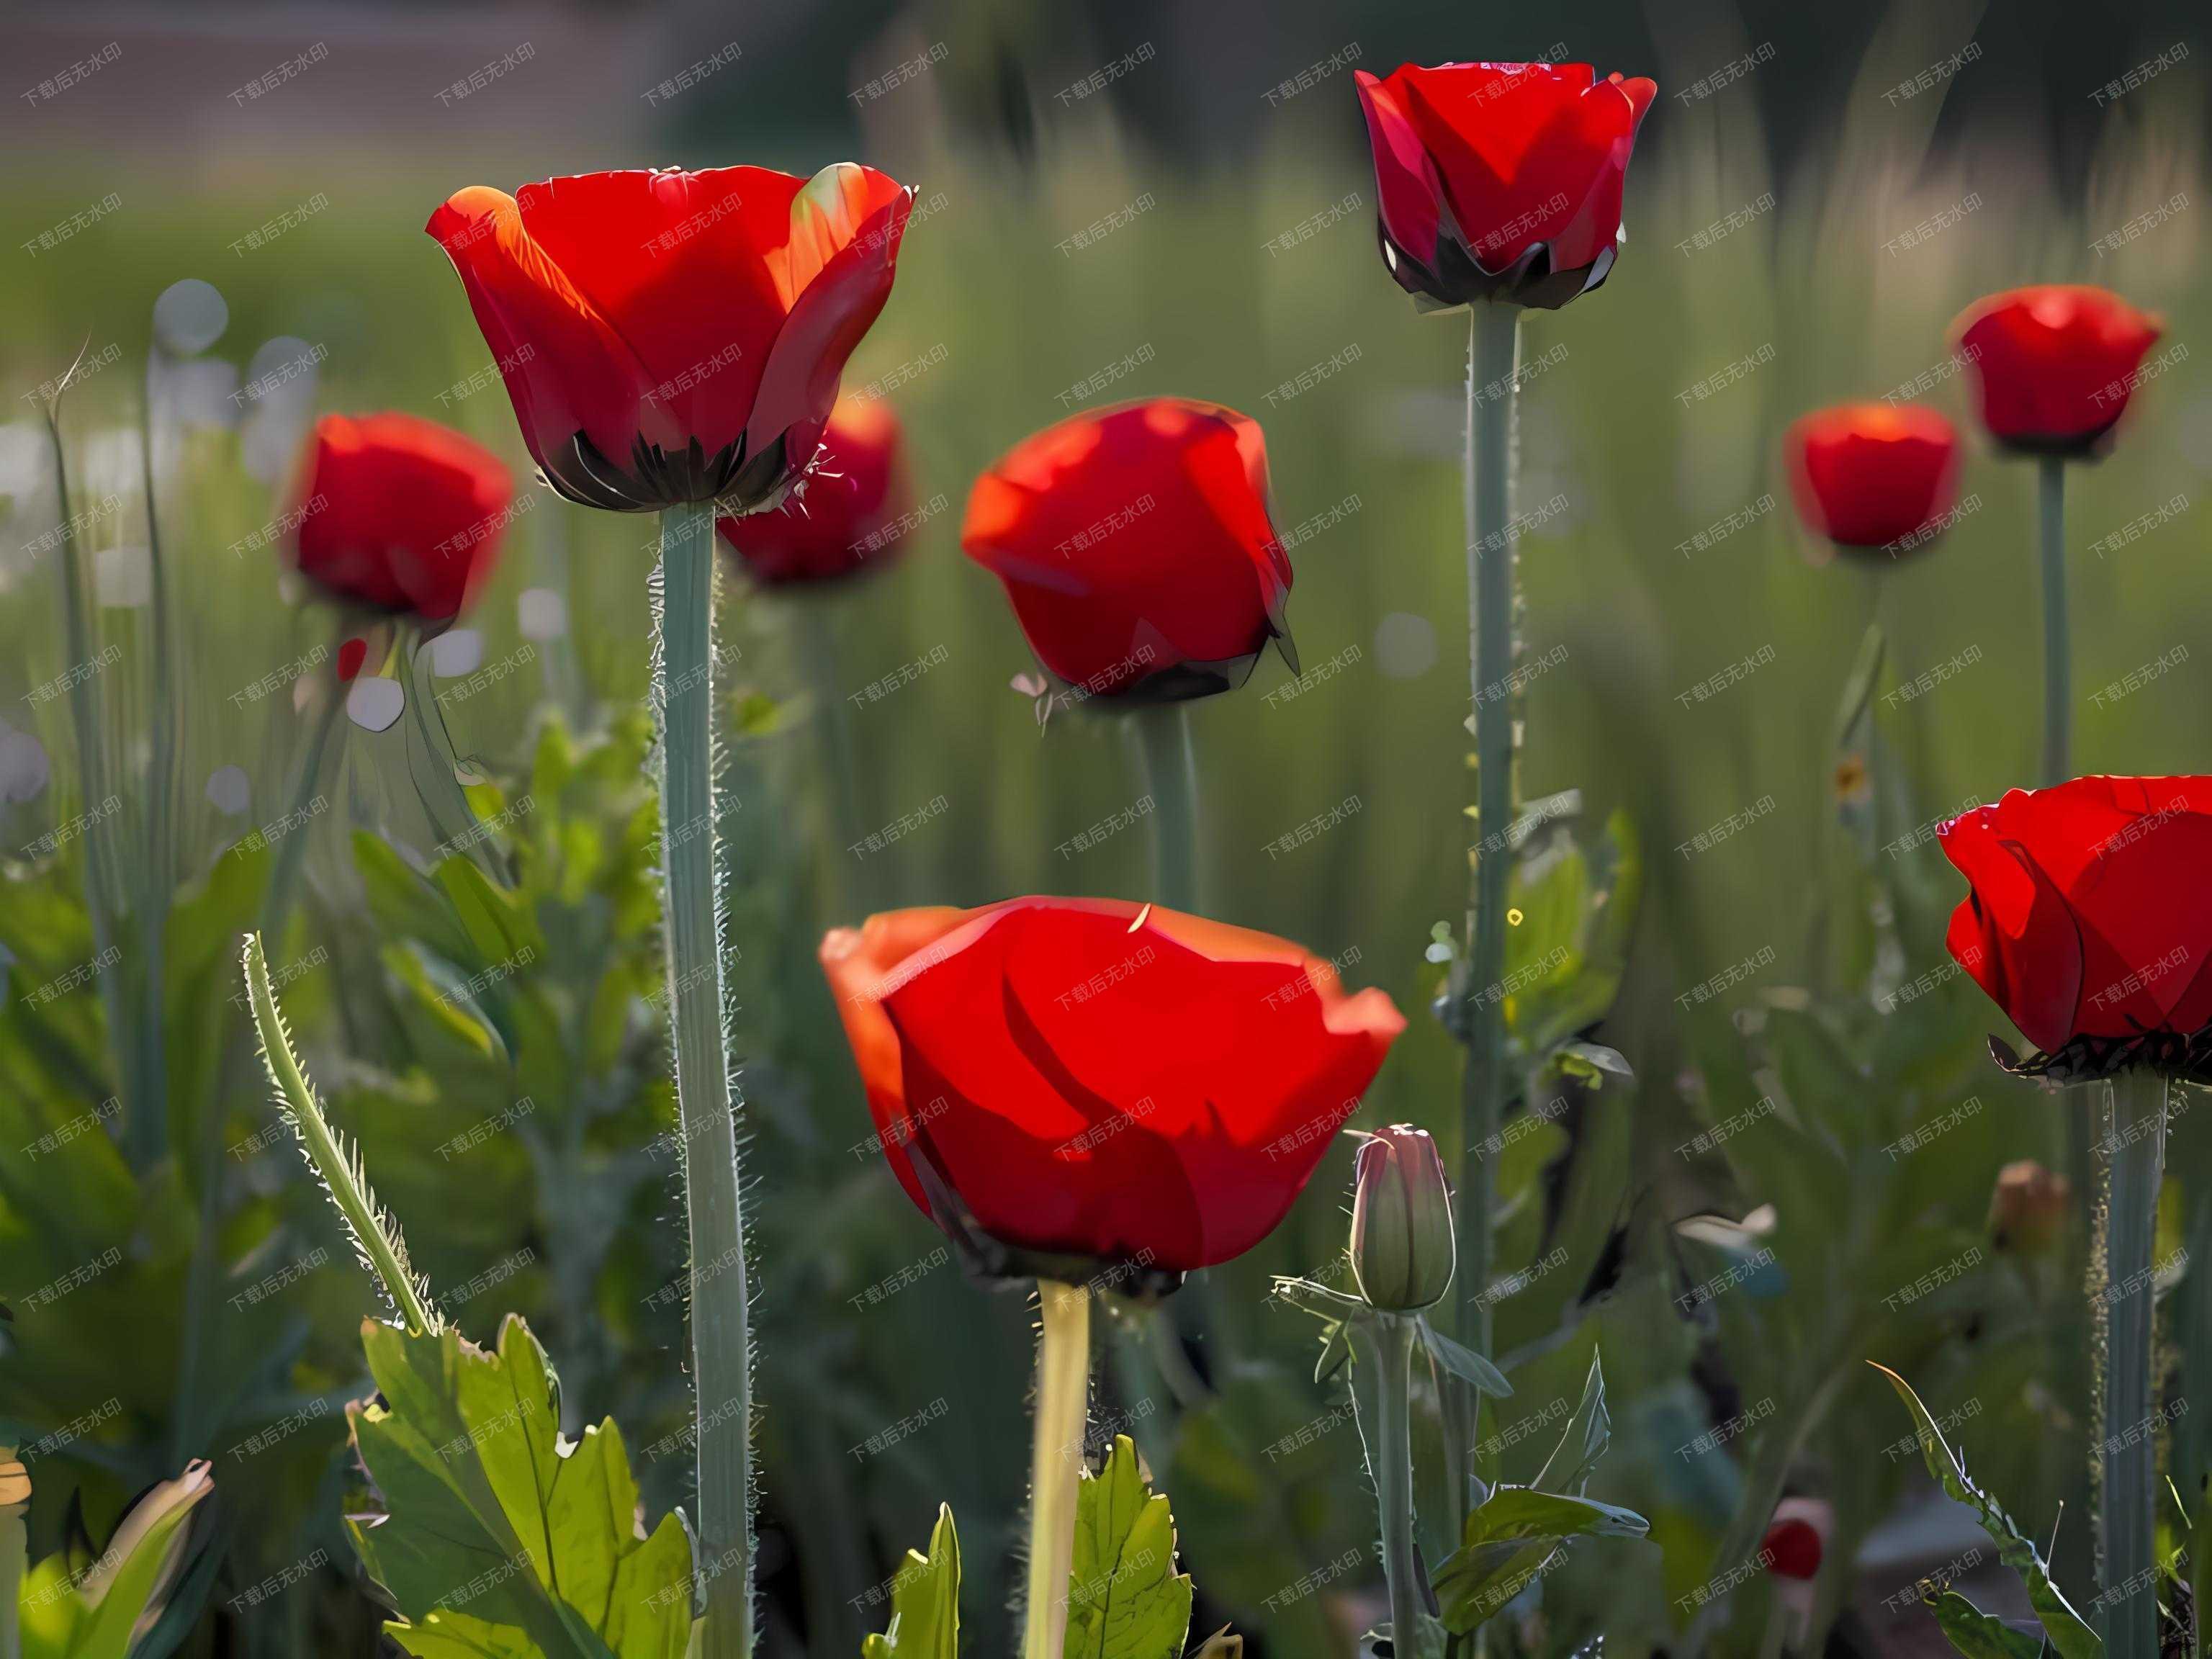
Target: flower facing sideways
(2054, 367)
(2088, 920)
(1869, 475)
(1138, 547)
(670, 336)
(398, 515)
(1068, 1084)
(1500, 181)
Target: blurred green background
(1012, 168)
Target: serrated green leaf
(1978, 1635)
(1463, 1362)
(1125, 1598)
(924, 1601)
(1589, 1432)
(1509, 1540)
(2072, 1638)
(487, 1514)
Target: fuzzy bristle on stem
(335, 1161)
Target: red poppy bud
(399, 515)
(1500, 181)
(1870, 476)
(2053, 367)
(1137, 547)
(2087, 918)
(845, 516)
(670, 337)
(1062, 1082)
(351, 655)
(1402, 1220)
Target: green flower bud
(1402, 1220)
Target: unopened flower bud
(2028, 1209)
(1402, 1220)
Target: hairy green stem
(373, 1235)
(2058, 668)
(1171, 779)
(2127, 1451)
(1392, 1454)
(721, 1305)
(1493, 352)
(1063, 1399)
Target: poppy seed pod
(1402, 1246)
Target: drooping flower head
(670, 337)
(2053, 367)
(1500, 181)
(1137, 545)
(398, 514)
(2088, 920)
(1873, 476)
(846, 517)
(1061, 1084)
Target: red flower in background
(1137, 547)
(2088, 919)
(1095, 1080)
(1792, 1549)
(855, 491)
(399, 515)
(2053, 367)
(1869, 475)
(1500, 181)
(671, 336)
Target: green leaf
(1591, 1061)
(924, 1601)
(1463, 1362)
(1125, 1598)
(93, 1615)
(489, 1515)
(1510, 1539)
(1979, 1635)
(2072, 1638)
(1588, 1431)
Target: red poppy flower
(1076, 1081)
(351, 655)
(841, 517)
(399, 515)
(2088, 919)
(1792, 1549)
(2053, 367)
(1869, 475)
(1137, 547)
(673, 337)
(1500, 181)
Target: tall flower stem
(1493, 354)
(1389, 1343)
(276, 909)
(1063, 1399)
(1171, 779)
(2127, 1455)
(2058, 668)
(721, 1349)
